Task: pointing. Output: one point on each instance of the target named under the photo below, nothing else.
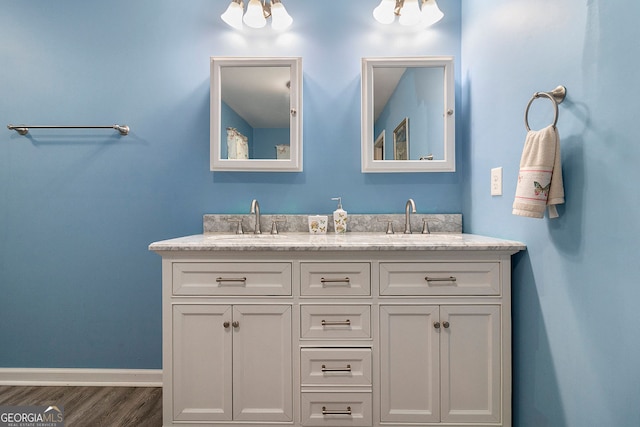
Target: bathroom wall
(576, 335)
(79, 208)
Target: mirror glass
(256, 119)
(408, 114)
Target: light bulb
(254, 16)
(233, 15)
(410, 13)
(280, 19)
(431, 13)
(384, 12)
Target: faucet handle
(389, 224)
(239, 226)
(274, 224)
(425, 226)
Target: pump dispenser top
(339, 217)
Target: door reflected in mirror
(255, 114)
(409, 102)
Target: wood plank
(93, 406)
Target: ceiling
(259, 94)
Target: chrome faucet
(255, 209)
(407, 215)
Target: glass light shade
(233, 15)
(384, 12)
(254, 16)
(431, 13)
(410, 13)
(280, 19)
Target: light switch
(496, 181)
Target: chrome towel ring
(556, 96)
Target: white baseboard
(81, 377)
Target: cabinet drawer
(439, 278)
(335, 321)
(232, 278)
(341, 278)
(335, 366)
(336, 409)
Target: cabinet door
(201, 363)
(409, 359)
(262, 363)
(470, 358)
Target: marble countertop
(351, 241)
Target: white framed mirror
(256, 114)
(408, 120)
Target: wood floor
(93, 406)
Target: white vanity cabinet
(440, 364)
(227, 354)
(315, 332)
(231, 362)
(452, 331)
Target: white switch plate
(496, 181)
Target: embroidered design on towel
(540, 189)
(530, 185)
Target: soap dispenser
(339, 217)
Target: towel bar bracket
(559, 94)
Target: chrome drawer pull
(231, 279)
(323, 280)
(325, 369)
(326, 411)
(336, 323)
(440, 279)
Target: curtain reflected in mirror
(237, 145)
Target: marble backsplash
(360, 223)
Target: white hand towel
(540, 178)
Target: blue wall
(78, 209)
(576, 318)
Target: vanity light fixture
(257, 14)
(409, 12)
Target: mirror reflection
(408, 115)
(408, 111)
(254, 114)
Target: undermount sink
(419, 236)
(247, 236)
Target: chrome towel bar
(24, 129)
(556, 96)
